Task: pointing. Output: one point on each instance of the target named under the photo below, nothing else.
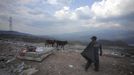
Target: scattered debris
(10, 60)
(71, 66)
(132, 56)
(131, 73)
(132, 64)
(29, 71)
(38, 55)
(56, 65)
(20, 67)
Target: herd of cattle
(55, 43)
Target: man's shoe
(96, 70)
(86, 69)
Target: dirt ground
(72, 63)
(68, 62)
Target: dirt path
(72, 63)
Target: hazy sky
(45, 17)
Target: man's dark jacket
(92, 51)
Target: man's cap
(94, 37)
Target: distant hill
(113, 43)
(14, 35)
(111, 35)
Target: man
(91, 53)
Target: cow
(50, 43)
(61, 44)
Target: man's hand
(101, 50)
(100, 54)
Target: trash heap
(35, 53)
(14, 67)
(11, 65)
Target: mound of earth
(72, 63)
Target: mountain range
(83, 36)
(112, 35)
(14, 35)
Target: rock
(113, 64)
(132, 64)
(128, 55)
(2, 65)
(131, 73)
(132, 56)
(2, 59)
(29, 71)
(10, 60)
(19, 67)
(2, 72)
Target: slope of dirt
(63, 62)
(72, 63)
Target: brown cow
(61, 44)
(50, 43)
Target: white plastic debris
(71, 66)
(39, 49)
(113, 64)
(131, 73)
(8, 61)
